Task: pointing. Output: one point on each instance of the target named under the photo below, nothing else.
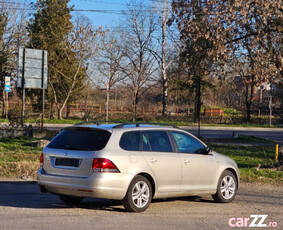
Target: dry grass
(22, 169)
(18, 158)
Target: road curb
(232, 128)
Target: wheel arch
(151, 180)
(235, 173)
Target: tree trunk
(135, 103)
(197, 100)
(164, 101)
(164, 93)
(134, 111)
(248, 107)
(51, 115)
(68, 111)
(163, 70)
(249, 98)
(4, 103)
(60, 112)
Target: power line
(29, 7)
(15, 3)
(75, 10)
(102, 2)
(17, 8)
(100, 11)
(120, 12)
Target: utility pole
(7, 105)
(270, 110)
(43, 90)
(23, 89)
(107, 100)
(260, 100)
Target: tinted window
(130, 141)
(157, 141)
(85, 139)
(187, 144)
(145, 143)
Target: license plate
(67, 162)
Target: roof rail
(97, 122)
(143, 123)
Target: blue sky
(109, 10)
(110, 18)
(105, 19)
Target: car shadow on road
(188, 199)
(28, 195)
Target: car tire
(227, 188)
(70, 199)
(139, 195)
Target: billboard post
(32, 73)
(7, 90)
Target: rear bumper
(99, 185)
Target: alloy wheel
(228, 187)
(140, 194)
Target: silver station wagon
(134, 163)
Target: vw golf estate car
(134, 163)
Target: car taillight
(41, 159)
(104, 165)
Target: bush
(15, 115)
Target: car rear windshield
(80, 139)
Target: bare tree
(81, 46)
(168, 46)
(215, 31)
(108, 64)
(110, 59)
(203, 37)
(255, 42)
(139, 64)
(12, 35)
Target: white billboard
(32, 66)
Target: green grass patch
(241, 139)
(252, 175)
(228, 112)
(55, 121)
(244, 125)
(174, 120)
(252, 139)
(171, 122)
(256, 163)
(18, 149)
(18, 158)
(159, 120)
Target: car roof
(123, 125)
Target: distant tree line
(224, 49)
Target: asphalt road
(272, 134)
(22, 206)
(219, 132)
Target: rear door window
(157, 141)
(130, 141)
(85, 139)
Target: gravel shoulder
(22, 206)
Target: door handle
(153, 160)
(186, 161)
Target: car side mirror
(207, 150)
